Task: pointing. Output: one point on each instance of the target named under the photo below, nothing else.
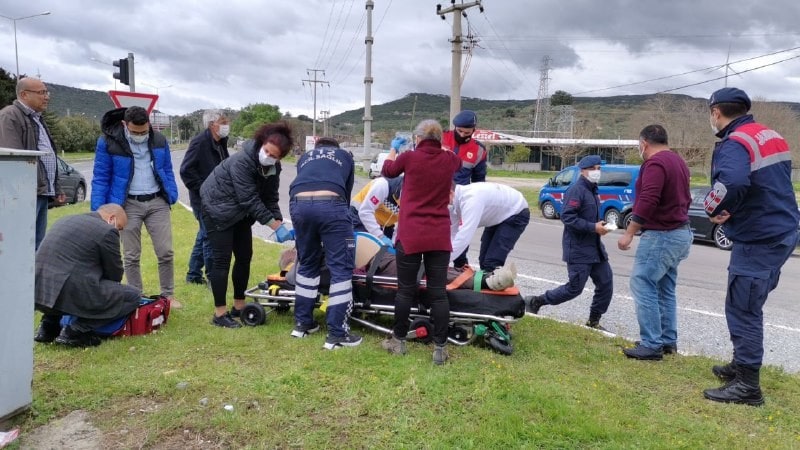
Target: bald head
(113, 214)
(33, 93)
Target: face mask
(224, 131)
(713, 125)
(593, 175)
(265, 159)
(461, 139)
(138, 139)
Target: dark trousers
(323, 226)
(498, 241)
(237, 241)
(201, 251)
(436, 263)
(601, 276)
(754, 271)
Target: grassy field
(564, 387)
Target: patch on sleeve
(574, 203)
(714, 198)
(374, 200)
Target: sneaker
(72, 338)
(394, 346)
(641, 352)
(672, 349)
(595, 324)
(502, 277)
(235, 313)
(533, 303)
(301, 331)
(440, 354)
(225, 321)
(348, 340)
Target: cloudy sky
(202, 54)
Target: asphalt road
(701, 285)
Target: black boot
(725, 373)
(49, 328)
(594, 322)
(743, 389)
(74, 338)
(533, 303)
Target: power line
(725, 76)
(325, 36)
(336, 26)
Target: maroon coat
(424, 223)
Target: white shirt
(482, 204)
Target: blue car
(616, 190)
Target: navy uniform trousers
(753, 272)
(324, 226)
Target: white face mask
(224, 131)
(713, 125)
(139, 139)
(265, 159)
(593, 175)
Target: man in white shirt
(503, 213)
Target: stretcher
(475, 315)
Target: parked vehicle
(616, 189)
(72, 183)
(376, 165)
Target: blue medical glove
(388, 244)
(398, 142)
(282, 234)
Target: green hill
(70, 101)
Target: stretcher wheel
(423, 323)
(282, 307)
(460, 334)
(253, 314)
(499, 345)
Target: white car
(376, 165)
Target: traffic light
(124, 71)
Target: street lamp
(14, 20)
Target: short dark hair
(278, 134)
(731, 110)
(326, 142)
(654, 134)
(136, 115)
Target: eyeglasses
(42, 92)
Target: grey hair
(22, 84)
(211, 115)
(429, 129)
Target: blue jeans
(653, 281)
(753, 273)
(41, 218)
(201, 252)
(324, 227)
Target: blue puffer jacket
(580, 212)
(113, 163)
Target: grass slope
(564, 387)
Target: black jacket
(580, 212)
(238, 189)
(199, 161)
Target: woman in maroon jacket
(423, 232)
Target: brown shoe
(174, 304)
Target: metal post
(131, 81)
(368, 82)
(455, 70)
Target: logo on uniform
(470, 155)
(374, 200)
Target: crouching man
(78, 272)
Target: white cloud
(238, 52)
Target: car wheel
(612, 216)
(626, 220)
(80, 194)
(720, 240)
(548, 210)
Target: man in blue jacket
(133, 168)
(752, 196)
(583, 251)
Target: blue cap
(465, 119)
(590, 161)
(729, 95)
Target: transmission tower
(565, 124)
(541, 118)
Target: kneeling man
(78, 272)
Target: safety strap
(476, 281)
(461, 278)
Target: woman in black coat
(242, 189)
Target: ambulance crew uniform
(376, 208)
(751, 180)
(320, 209)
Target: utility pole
(314, 84)
(368, 41)
(455, 72)
(324, 115)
